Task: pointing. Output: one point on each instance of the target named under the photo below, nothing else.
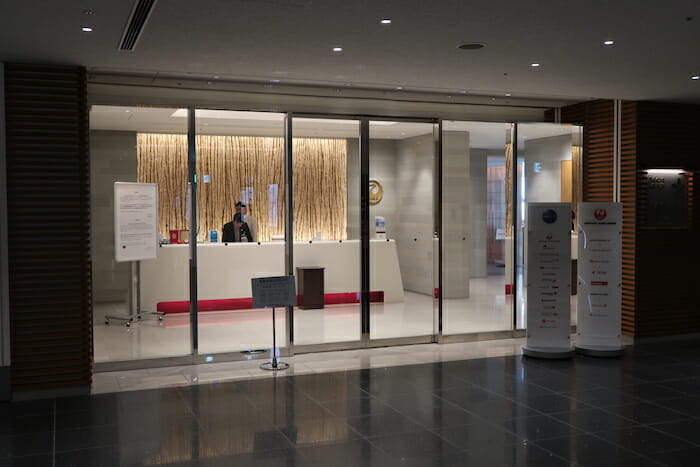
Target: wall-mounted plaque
(376, 192)
(664, 198)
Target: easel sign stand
(548, 281)
(600, 280)
(135, 238)
(272, 292)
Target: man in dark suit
(236, 231)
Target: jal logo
(600, 214)
(549, 216)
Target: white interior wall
(457, 234)
(545, 186)
(112, 159)
(414, 190)
(477, 213)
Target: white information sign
(273, 291)
(548, 280)
(135, 221)
(599, 277)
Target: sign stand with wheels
(135, 238)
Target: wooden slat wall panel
(48, 226)
(668, 301)
(597, 118)
(628, 197)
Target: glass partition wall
(477, 228)
(443, 204)
(140, 145)
(240, 222)
(549, 170)
(326, 220)
(403, 237)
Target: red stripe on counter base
(225, 304)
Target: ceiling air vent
(139, 16)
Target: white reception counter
(224, 271)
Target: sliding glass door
(326, 224)
(403, 235)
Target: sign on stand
(548, 272)
(599, 279)
(135, 221)
(272, 292)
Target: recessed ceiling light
(471, 45)
(86, 29)
(463, 92)
(696, 77)
(507, 94)
(216, 76)
(385, 21)
(534, 65)
(88, 12)
(608, 42)
(337, 49)
(399, 87)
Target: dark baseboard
(5, 387)
(51, 393)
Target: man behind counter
(237, 230)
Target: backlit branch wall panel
(226, 165)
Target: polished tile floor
(639, 410)
(487, 309)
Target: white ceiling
(223, 122)
(656, 44)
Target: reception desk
(225, 270)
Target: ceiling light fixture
(86, 29)
(696, 77)
(385, 21)
(608, 42)
(399, 88)
(337, 49)
(534, 65)
(471, 45)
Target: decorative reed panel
(226, 165)
(509, 190)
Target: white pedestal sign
(548, 280)
(599, 279)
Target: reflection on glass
(326, 168)
(477, 240)
(146, 145)
(402, 240)
(549, 170)
(240, 219)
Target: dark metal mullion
(192, 177)
(288, 220)
(364, 231)
(516, 230)
(437, 132)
